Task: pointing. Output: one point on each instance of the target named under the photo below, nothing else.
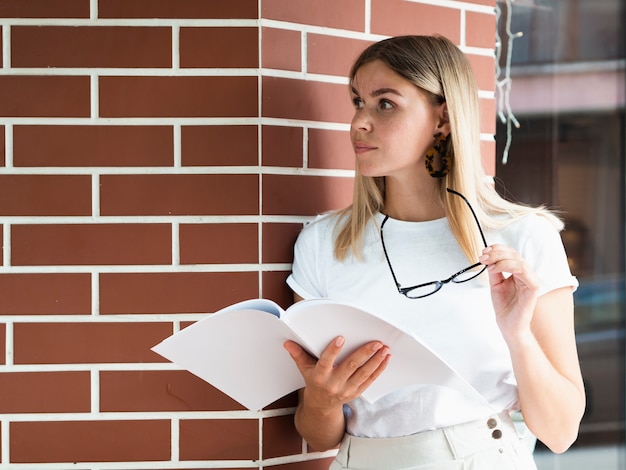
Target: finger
(496, 253)
(329, 356)
(381, 365)
(302, 359)
(359, 359)
(371, 369)
(516, 269)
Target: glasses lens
(423, 291)
(469, 273)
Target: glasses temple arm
(382, 240)
(480, 230)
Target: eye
(357, 102)
(384, 105)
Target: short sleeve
(310, 250)
(540, 244)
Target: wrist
(520, 340)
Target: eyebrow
(379, 91)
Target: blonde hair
(438, 68)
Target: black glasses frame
(437, 285)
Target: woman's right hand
(329, 385)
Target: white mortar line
(95, 390)
(8, 145)
(6, 245)
(6, 46)
(176, 46)
(94, 96)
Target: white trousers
(491, 443)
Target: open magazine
(239, 349)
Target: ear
(443, 119)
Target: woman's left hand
(514, 289)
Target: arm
(319, 417)
(539, 332)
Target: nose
(361, 121)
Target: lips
(362, 147)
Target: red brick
(488, 115)
(278, 241)
(88, 146)
(488, 152)
(280, 437)
(194, 292)
(219, 47)
(319, 464)
(304, 195)
(90, 441)
(396, 17)
(484, 70)
(219, 145)
(179, 194)
(480, 29)
(202, 96)
(45, 195)
(275, 288)
(282, 146)
(307, 100)
(346, 14)
(144, 391)
(91, 244)
(219, 243)
(45, 294)
(44, 96)
(491, 3)
(330, 149)
(65, 392)
(86, 343)
(281, 49)
(219, 439)
(332, 55)
(199, 9)
(44, 9)
(89, 46)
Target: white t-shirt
(458, 322)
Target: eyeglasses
(429, 288)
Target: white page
(411, 362)
(239, 350)
(250, 365)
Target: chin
(367, 170)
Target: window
(568, 153)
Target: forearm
(552, 404)
(323, 429)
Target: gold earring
(439, 149)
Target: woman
(429, 244)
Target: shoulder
(533, 235)
(322, 225)
(534, 224)
(319, 232)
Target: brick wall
(157, 159)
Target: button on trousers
(490, 443)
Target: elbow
(559, 433)
(562, 438)
(562, 443)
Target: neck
(413, 201)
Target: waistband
(496, 433)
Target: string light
(503, 75)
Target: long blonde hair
(438, 68)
